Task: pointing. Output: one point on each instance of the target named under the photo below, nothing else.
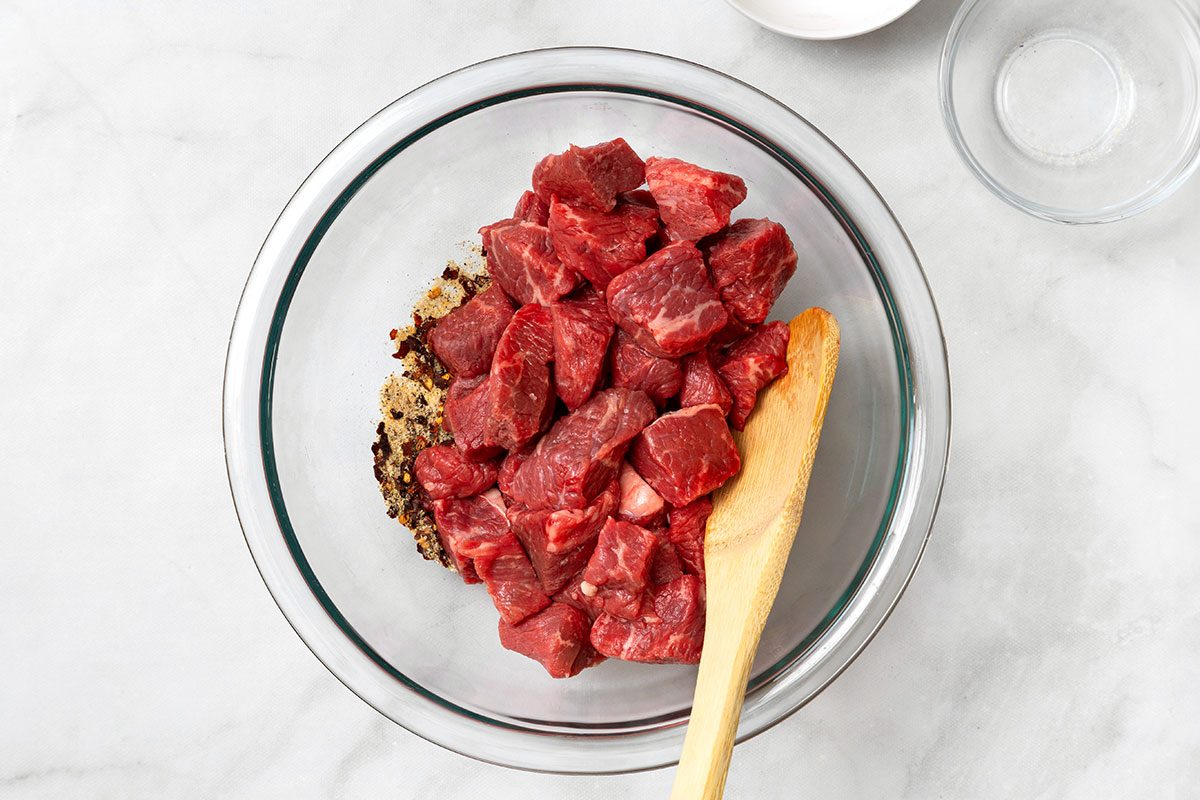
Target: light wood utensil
(750, 533)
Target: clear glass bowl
(1075, 111)
(362, 238)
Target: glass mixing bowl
(361, 240)
(1075, 111)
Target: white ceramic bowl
(823, 19)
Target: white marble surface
(1048, 646)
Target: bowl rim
(823, 34)
(929, 468)
(1163, 186)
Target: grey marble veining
(1046, 648)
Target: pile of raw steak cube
(594, 386)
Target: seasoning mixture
(410, 402)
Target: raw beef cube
(568, 528)
(521, 396)
(667, 564)
(509, 466)
(528, 525)
(582, 330)
(444, 471)
(734, 329)
(639, 503)
(560, 542)
(580, 455)
(522, 402)
(530, 332)
(640, 197)
(554, 637)
(521, 258)
(751, 263)
(590, 176)
(686, 453)
(565, 529)
(623, 603)
(588, 656)
(622, 557)
(465, 339)
(686, 532)
(573, 595)
(601, 245)
(670, 629)
(465, 526)
(692, 201)
(531, 208)
(701, 383)
(513, 585)
(553, 569)
(667, 303)
(465, 414)
(751, 364)
(634, 368)
(594, 601)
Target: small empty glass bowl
(1075, 110)
(363, 237)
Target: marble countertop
(1047, 646)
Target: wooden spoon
(750, 533)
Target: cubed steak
(444, 471)
(639, 503)
(465, 339)
(701, 383)
(686, 531)
(511, 582)
(465, 523)
(670, 629)
(634, 368)
(582, 330)
(521, 258)
(572, 593)
(751, 262)
(590, 176)
(476, 532)
(578, 458)
(734, 329)
(640, 197)
(686, 454)
(751, 364)
(531, 208)
(667, 303)
(509, 466)
(622, 557)
(667, 565)
(600, 245)
(693, 202)
(560, 542)
(555, 637)
(465, 415)
(521, 395)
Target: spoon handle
(721, 680)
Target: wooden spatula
(750, 533)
